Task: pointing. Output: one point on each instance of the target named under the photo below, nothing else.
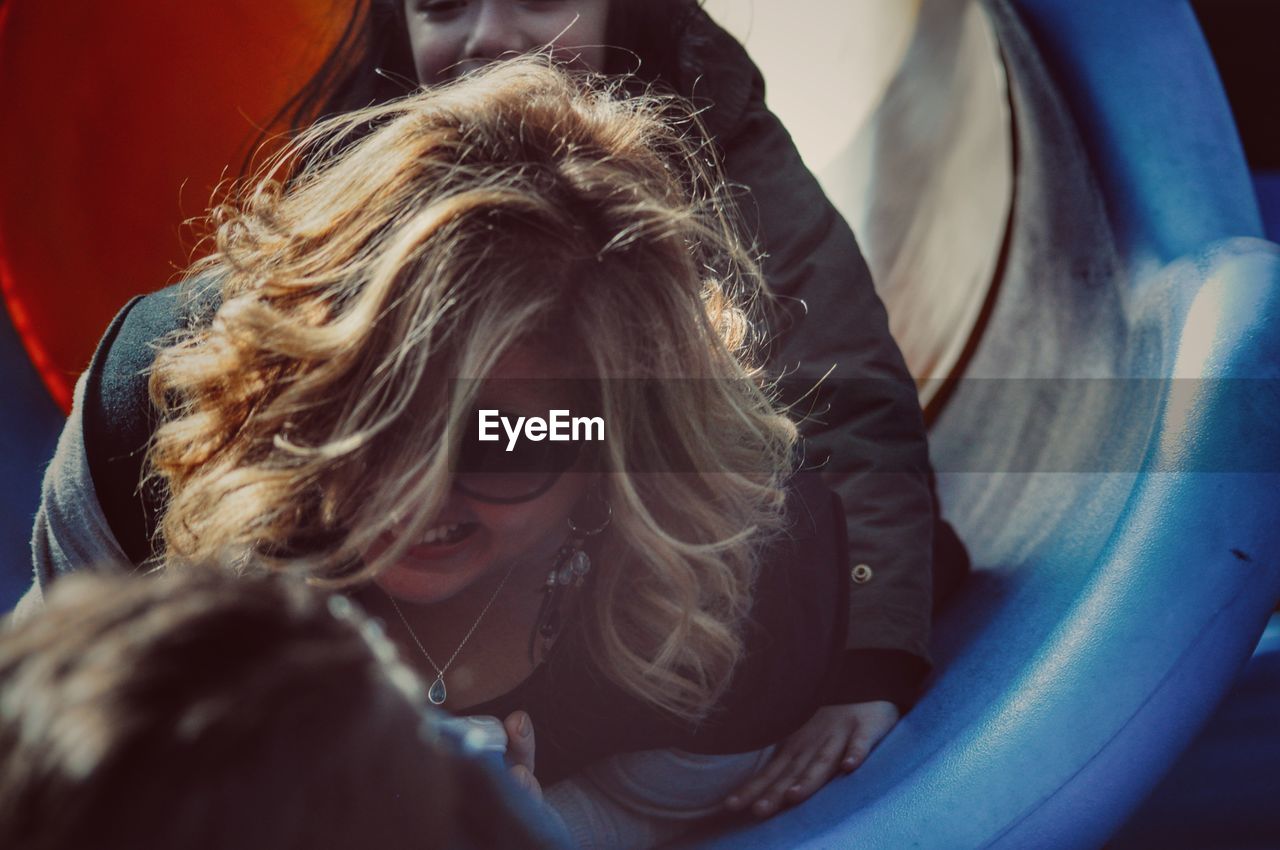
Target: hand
(520, 751)
(837, 737)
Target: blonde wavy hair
(389, 251)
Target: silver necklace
(438, 693)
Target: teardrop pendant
(437, 694)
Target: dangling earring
(569, 569)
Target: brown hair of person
(201, 711)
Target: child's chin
(420, 586)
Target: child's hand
(520, 751)
(837, 737)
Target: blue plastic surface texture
(29, 425)
(1223, 791)
(1112, 458)
(1142, 84)
(1266, 185)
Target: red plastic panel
(119, 120)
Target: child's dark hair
(207, 712)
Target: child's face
(451, 37)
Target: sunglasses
(488, 472)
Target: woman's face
(449, 38)
(473, 539)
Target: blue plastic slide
(1111, 455)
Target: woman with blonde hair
(363, 383)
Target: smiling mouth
(448, 534)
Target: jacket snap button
(861, 574)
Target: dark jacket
(865, 427)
